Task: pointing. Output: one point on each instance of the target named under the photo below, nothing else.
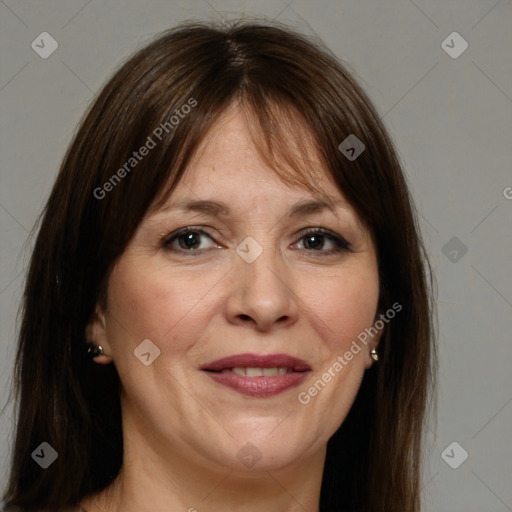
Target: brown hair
(374, 460)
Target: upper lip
(258, 361)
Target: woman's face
(244, 313)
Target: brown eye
(190, 240)
(314, 241)
(324, 242)
(186, 240)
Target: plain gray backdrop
(449, 111)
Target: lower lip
(260, 387)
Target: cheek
(342, 305)
(148, 301)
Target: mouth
(258, 375)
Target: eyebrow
(220, 209)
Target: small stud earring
(373, 354)
(94, 350)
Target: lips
(258, 375)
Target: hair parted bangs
(285, 109)
(281, 137)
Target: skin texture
(183, 431)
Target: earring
(373, 354)
(94, 350)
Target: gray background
(451, 119)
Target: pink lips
(221, 371)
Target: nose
(262, 293)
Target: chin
(258, 451)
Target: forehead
(229, 174)
(235, 155)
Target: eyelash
(341, 245)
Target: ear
(96, 332)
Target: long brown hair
(374, 460)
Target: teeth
(254, 372)
(259, 372)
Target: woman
(227, 304)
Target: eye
(315, 240)
(323, 241)
(187, 240)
